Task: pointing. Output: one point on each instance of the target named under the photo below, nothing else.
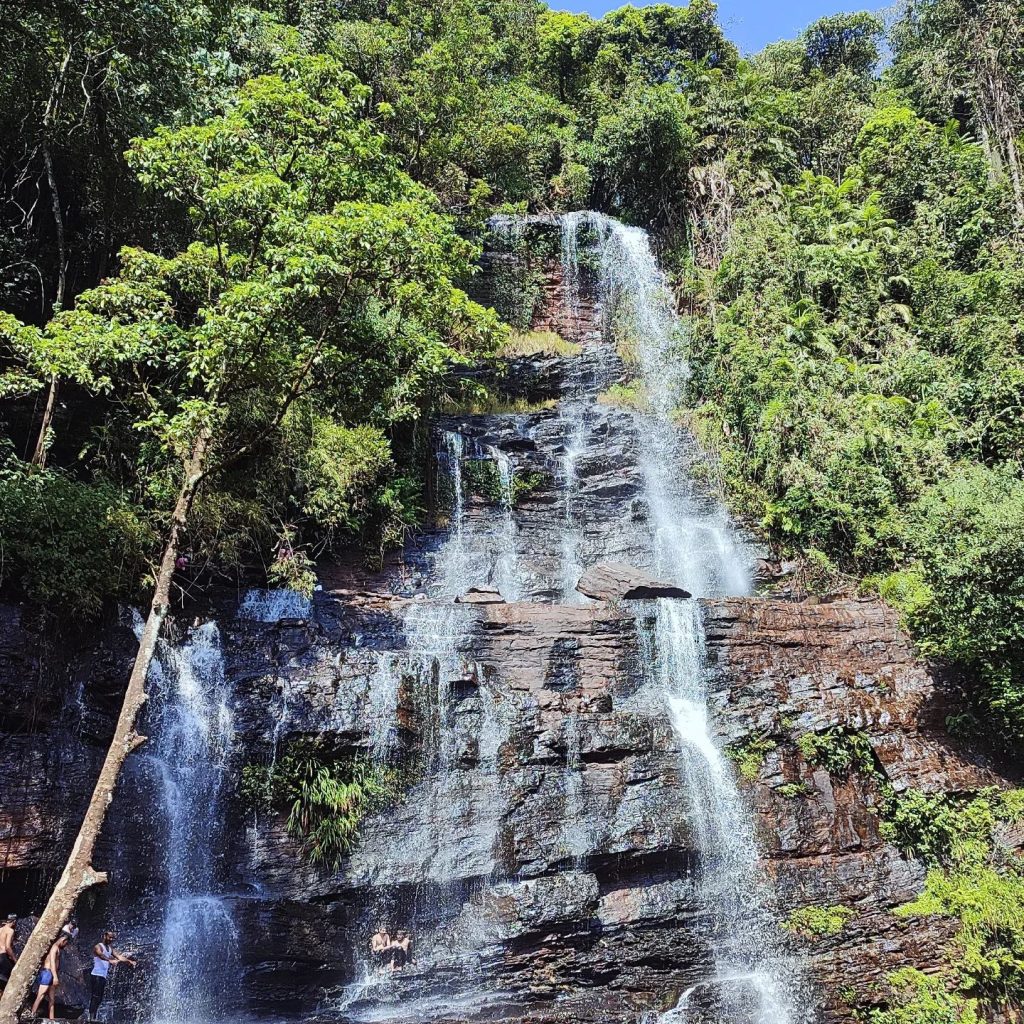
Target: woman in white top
(103, 957)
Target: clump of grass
(538, 343)
(626, 396)
(495, 403)
(813, 921)
(792, 790)
(749, 755)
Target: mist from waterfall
(693, 545)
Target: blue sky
(748, 23)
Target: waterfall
(506, 569)
(192, 734)
(273, 606)
(690, 543)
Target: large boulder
(613, 581)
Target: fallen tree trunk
(79, 873)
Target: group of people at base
(104, 956)
(387, 953)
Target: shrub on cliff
(70, 545)
(326, 797)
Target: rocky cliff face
(544, 849)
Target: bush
(326, 797)
(965, 600)
(944, 829)
(988, 951)
(839, 752)
(350, 485)
(920, 998)
(71, 545)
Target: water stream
(691, 544)
(185, 924)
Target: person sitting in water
(49, 976)
(402, 948)
(380, 947)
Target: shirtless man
(49, 976)
(402, 948)
(7, 954)
(379, 947)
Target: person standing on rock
(7, 954)
(49, 976)
(104, 956)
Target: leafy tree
(318, 265)
(965, 59)
(848, 42)
(567, 45)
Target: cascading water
(435, 880)
(185, 763)
(690, 544)
(434, 659)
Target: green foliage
(351, 488)
(919, 998)
(839, 751)
(316, 267)
(326, 797)
(71, 545)
(988, 951)
(944, 829)
(858, 373)
(844, 41)
(482, 478)
(524, 484)
(749, 755)
(967, 535)
(972, 879)
(792, 790)
(813, 921)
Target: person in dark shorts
(49, 977)
(402, 948)
(7, 954)
(104, 956)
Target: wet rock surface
(543, 851)
(611, 581)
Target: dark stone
(612, 581)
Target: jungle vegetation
(236, 238)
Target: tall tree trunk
(79, 874)
(39, 455)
